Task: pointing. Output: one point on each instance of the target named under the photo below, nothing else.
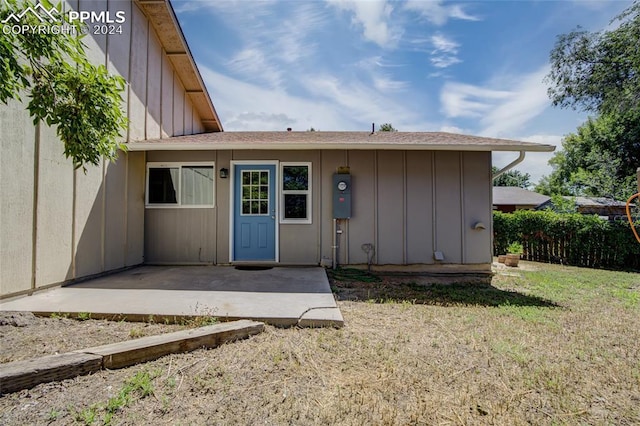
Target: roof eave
(163, 19)
(168, 146)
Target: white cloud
(445, 51)
(452, 129)
(331, 104)
(500, 110)
(466, 100)
(374, 17)
(385, 84)
(437, 13)
(528, 100)
(252, 63)
(443, 44)
(246, 106)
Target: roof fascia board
(168, 146)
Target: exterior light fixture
(224, 173)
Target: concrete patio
(278, 296)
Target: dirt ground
(532, 348)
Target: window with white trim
(180, 185)
(295, 192)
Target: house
(188, 193)
(508, 199)
(607, 208)
(59, 224)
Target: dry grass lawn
(547, 345)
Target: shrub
(569, 238)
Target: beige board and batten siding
(57, 223)
(181, 235)
(408, 204)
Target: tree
(65, 90)
(512, 178)
(599, 160)
(387, 127)
(599, 73)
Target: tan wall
(85, 223)
(407, 204)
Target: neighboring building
(420, 199)
(508, 199)
(606, 208)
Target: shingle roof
(597, 202)
(337, 140)
(512, 195)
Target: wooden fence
(571, 239)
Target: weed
(206, 316)
(84, 316)
(54, 414)
(59, 315)
(87, 416)
(516, 352)
(136, 333)
(532, 314)
(352, 274)
(139, 386)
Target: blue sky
(474, 67)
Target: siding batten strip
(146, 91)
(463, 225)
(375, 205)
(73, 224)
(125, 211)
(128, 81)
(36, 178)
(317, 204)
(434, 225)
(404, 208)
(162, 56)
(103, 228)
(345, 231)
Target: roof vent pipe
(509, 166)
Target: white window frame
(308, 192)
(179, 165)
(268, 196)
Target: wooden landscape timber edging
(18, 375)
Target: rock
(17, 319)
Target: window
(296, 193)
(180, 185)
(255, 192)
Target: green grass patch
(137, 387)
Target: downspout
(510, 165)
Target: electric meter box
(341, 196)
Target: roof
(513, 195)
(597, 202)
(437, 141)
(164, 21)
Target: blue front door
(254, 212)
